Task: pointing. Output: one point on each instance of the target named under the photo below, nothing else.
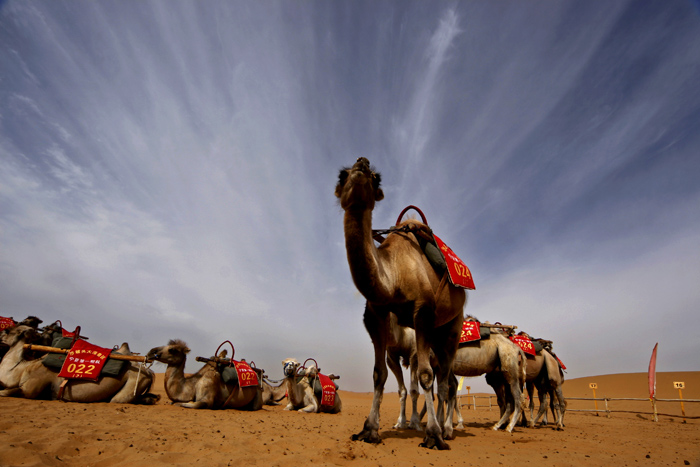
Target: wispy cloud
(168, 170)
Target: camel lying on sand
(205, 389)
(300, 390)
(32, 379)
(397, 277)
(272, 395)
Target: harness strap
(62, 388)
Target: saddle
(55, 361)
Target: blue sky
(167, 169)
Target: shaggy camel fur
(31, 379)
(204, 389)
(396, 277)
(300, 392)
(272, 395)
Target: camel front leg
(310, 400)
(424, 320)
(375, 327)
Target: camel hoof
(400, 426)
(367, 437)
(432, 442)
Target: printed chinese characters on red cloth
(458, 271)
(84, 361)
(328, 390)
(524, 343)
(246, 375)
(470, 331)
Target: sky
(167, 170)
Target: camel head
(31, 321)
(19, 333)
(311, 371)
(289, 367)
(124, 349)
(358, 186)
(175, 353)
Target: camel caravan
(34, 364)
(415, 288)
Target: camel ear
(379, 195)
(186, 350)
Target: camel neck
(366, 270)
(174, 381)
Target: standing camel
(542, 372)
(396, 277)
(496, 355)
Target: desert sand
(53, 433)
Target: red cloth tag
(246, 375)
(470, 331)
(6, 323)
(524, 343)
(560, 363)
(84, 361)
(459, 273)
(328, 390)
(65, 333)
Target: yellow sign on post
(680, 385)
(594, 386)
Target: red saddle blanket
(459, 273)
(470, 332)
(246, 375)
(561, 364)
(84, 361)
(327, 390)
(6, 323)
(524, 343)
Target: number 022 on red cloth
(84, 361)
(246, 375)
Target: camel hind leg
(395, 368)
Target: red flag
(652, 373)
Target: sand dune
(54, 433)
